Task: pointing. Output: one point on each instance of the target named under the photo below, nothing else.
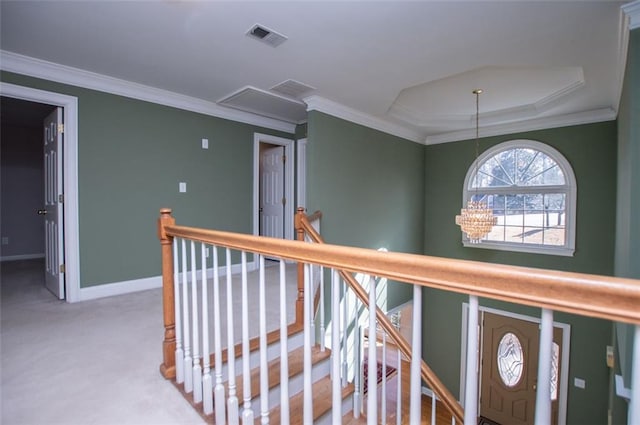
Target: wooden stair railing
(604, 297)
(303, 226)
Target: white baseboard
(143, 284)
(21, 257)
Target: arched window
(531, 188)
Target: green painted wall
(591, 151)
(627, 250)
(369, 186)
(131, 157)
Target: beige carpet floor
(94, 362)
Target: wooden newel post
(300, 236)
(168, 366)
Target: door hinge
(61, 198)
(62, 268)
(60, 128)
(284, 159)
(284, 201)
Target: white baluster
(433, 407)
(188, 362)
(415, 389)
(207, 386)
(322, 326)
(634, 403)
(345, 329)
(383, 402)
(264, 367)
(284, 352)
(177, 314)
(196, 368)
(336, 392)
(471, 390)
(247, 413)
(543, 391)
(372, 361)
(218, 391)
(399, 390)
(357, 369)
(308, 391)
(312, 294)
(232, 401)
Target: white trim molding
(70, 176)
(579, 118)
(25, 65)
(632, 10)
(317, 103)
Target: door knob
(42, 212)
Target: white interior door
(272, 199)
(52, 211)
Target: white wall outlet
(182, 187)
(579, 383)
(205, 143)
(5, 240)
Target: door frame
(288, 181)
(563, 389)
(70, 176)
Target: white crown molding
(587, 117)
(317, 103)
(632, 10)
(20, 64)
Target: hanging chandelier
(477, 219)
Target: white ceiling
(407, 68)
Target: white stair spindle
(264, 367)
(177, 312)
(232, 401)
(312, 294)
(399, 389)
(543, 391)
(336, 392)
(357, 370)
(308, 391)
(433, 407)
(372, 361)
(207, 386)
(218, 391)
(634, 403)
(284, 352)
(471, 390)
(196, 368)
(322, 326)
(188, 362)
(415, 389)
(247, 412)
(345, 329)
(383, 402)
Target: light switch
(205, 143)
(182, 187)
(579, 383)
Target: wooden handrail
(427, 374)
(603, 297)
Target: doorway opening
(68, 270)
(273, 185)
(508, 366)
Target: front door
(52, 211)
(272, 200)
(510, 349)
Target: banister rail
(427, 374)
(603, 297)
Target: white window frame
(570, 190)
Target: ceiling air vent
(293, 88)
(266, 35)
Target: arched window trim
(569, 188)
